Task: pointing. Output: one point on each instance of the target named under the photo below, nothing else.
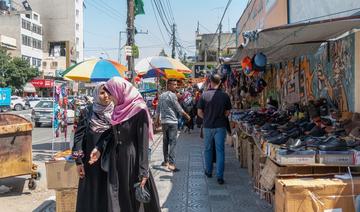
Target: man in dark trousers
(214, 107)
(168, 110)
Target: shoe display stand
(264, 166)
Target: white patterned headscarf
(101, 116)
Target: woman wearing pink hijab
(125, 151)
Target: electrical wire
(227, 6)
(157, 22)
(162, 18)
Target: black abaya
(127, 158)
(92, 189)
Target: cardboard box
(285, 157)
(66, 200)
(249, 157)
(336, 157)
(61, 174)
(244, 146)
(309, 194)
(271, 170)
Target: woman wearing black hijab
(93, 124)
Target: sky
(104, 19)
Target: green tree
(15, 72)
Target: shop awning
(29, 88)
(288, 41)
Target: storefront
(44, 87)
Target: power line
(170, 9)
(162, 18)
(227, 6)
(157, 21)
(104, 11)
(204, 27)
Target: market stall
(295, 118)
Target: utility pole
(119, 50)
(219, 42)
(173, 42)
(205, 56)
(130, 37)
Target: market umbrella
(94, 70)
(167, 73)
(173, 74)
(159, 62)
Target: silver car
(42, 113)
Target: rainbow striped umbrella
(152, 63)
(94, 70)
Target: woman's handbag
(142, 194)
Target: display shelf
(259, 145)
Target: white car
(17, 103)
(31, 102)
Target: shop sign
(42, 83)
(5, 94)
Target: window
(28, 16)
(36, 29)
(77, 13)
(27, 58)
(26, 40)
(36, 43)
(54, 65)
(25, 24)
(44, 64)
(77, 27)
(77, 55)
(36, 17)
(34, 62)
(57, 49)
(77, 41)
(37, 62)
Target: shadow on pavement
(47, 206)
(16, 185)
(48, 146)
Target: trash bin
(16, 148)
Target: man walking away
(169, 108)
(214, 107)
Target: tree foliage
(15, 72)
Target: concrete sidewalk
(190, 190)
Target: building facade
(21, 34)
(207, 48)
(260, 14)
(63, 34)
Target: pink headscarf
(129, 102)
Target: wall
(58, 20)
(310, 9)
(330, 74)
(10, 26)
(261, 14)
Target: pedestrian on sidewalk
(214, 107)
(125, 151)
(168, 111)
(93, 122)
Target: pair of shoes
(220, 181)
(209, 175)
(173, 168)
(164, 163)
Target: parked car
(31, 102)
(42, 113)
(17, 103)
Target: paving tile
(191, 191)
